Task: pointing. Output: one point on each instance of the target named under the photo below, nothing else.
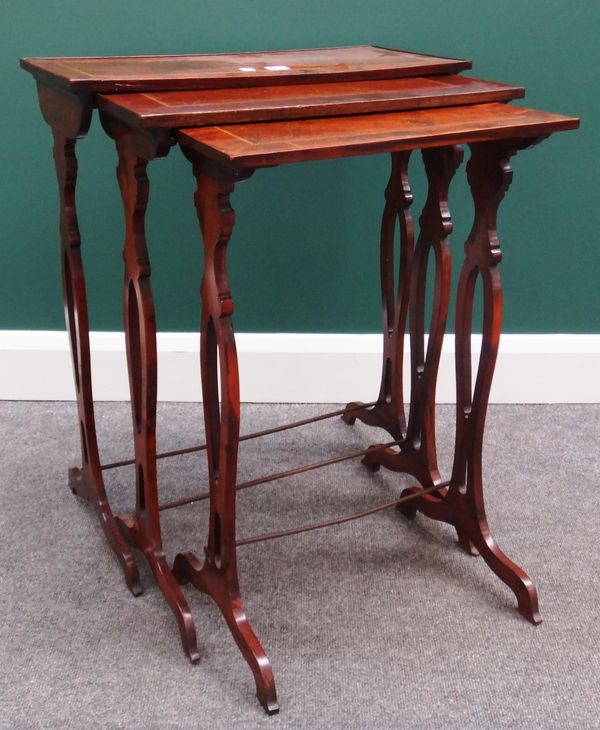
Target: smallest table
(224, 155)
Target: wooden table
(232, 114)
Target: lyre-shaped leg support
(217, 575)
(417, 455)
(143, 528)
(388, 412)
(461, 504)
(69, 116)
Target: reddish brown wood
(221, 155)
(245, 437)
(417, 454)
(217, 575)
(143, 528)
(388, 412)
(340, 520)
(429, 128)
(297, 101)
(69, 117)
(280, 475)
(273, 143)
(220, 70)
(462, 504)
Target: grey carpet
(380, 623)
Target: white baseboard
(297, 368)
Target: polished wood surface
(264, 103)
(273, 143)
(388, 411)
(436, 114)
(495, 131)
(142, 528)
(461, 503)
(145, 73)
(217, 575)
(418, 443)
(70, 119)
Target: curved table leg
(69, 116)
(143, 528)
(218, 575)
(462, 504)
(388, 413)
(417, 455)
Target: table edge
(490, 134)
(154, 120)
(91, 86)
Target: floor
(378, 623)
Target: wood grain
(143, 527)
(417, 455)
(273, 143)
(388, 411)
(203, 71)
(218, 575)
(69, 118)
(294, 106)
(297, 101)
(462, 504)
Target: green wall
(304, 252)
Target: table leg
(388, 412)
(143, 528)
(218, 575)
(417, 455)
(69, 117)
(461, 504)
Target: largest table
(226, 113)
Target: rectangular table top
(222, 106)
(152, 73)
(272, 143)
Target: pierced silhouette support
(217, 575)
(135, 150)
(417, 455)
(462, 504)
(388, 412)
(69, 117)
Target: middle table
(145, 125)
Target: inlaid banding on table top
(226, 152)
(273, 143)
(263, 103)
(146, 73)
